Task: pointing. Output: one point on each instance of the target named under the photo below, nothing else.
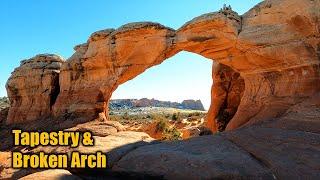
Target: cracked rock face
(33, 88)
(226, 94)
(273, 49)
(279, 62)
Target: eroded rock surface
(279, 62)
(289, 154)
(115, 145)
(51, 174)
(251, 152)
(198, 158)
(33, 88)
(226, 93)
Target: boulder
(97, 128)
(196, 158)
(51, 174)
(115, 145)
(289, 154)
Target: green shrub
(176, 116)
(168, 133)
(171, 134)
(194, 114)
(162, 125)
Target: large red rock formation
(274, 47)
(33, 88)
(279, 61)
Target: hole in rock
(168, 101)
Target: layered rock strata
(33, 88)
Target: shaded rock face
(4, 109)
(280, 65)
(226, 94)
(3, 115)
(51, 174)
(33, 88)
(274, 47)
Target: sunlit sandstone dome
(267, 61)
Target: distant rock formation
(192, 104)
(4, 103)
(4, 109)
(145, 102)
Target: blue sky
(46, 26)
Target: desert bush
(176, 116)
(167, 116)
(114, 118)
(168, 133)
(161, 126)
(171, 134)
(194, 114)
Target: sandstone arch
(274, 47)
(124, 53)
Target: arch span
(112, 57)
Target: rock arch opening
(218, 86)
(181, 77)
